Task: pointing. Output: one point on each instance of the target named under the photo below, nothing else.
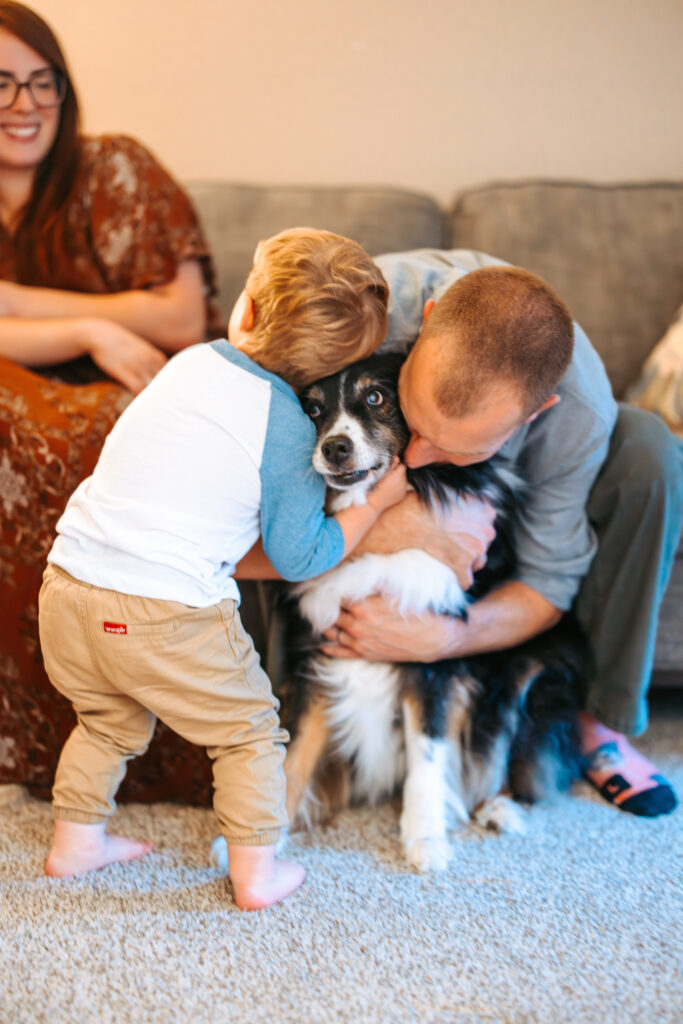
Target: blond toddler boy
(138, 609)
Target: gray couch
(613, 252)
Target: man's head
(313, 303)
(489, 357)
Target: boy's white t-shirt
(212, 453)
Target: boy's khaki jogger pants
(125, 661)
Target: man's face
(434, 438)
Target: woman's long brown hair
(56, 174)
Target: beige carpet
(579, 921)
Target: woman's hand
(171, 316)
(10, 298)
(122, 355)
(374, 631)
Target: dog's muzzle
(337, 450)
(337, 459)
(340, 455)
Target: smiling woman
(101, 254)
(30, 120)
(104, 272)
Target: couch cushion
(236, 217)
(613, 252)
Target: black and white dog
(457, 735)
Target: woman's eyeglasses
(46, 88)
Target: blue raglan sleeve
(298, 538)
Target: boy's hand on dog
(390, 489)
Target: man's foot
(78, 848)
(259, 878)
(622, 775)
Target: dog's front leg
(425, 794)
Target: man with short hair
(493, 370)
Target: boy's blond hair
(320, 303)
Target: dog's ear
(386, 368)
(397, 361)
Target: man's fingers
(332, 651)
(345, 621)
(489, 536)
(338, 643)
(467, 579)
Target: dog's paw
(218, 854)
(320, 606)
(501, 814)
(429, 854)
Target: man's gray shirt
(559, 454)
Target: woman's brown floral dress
(128, 225)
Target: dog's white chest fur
(364, 706)
(414, 580)
(363, 716)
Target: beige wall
(427, 94)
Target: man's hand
(374, 631)
(458, 536)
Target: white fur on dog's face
(365, 465)
(359, 424)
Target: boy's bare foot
(78, 848)
(259, 878)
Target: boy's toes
(65, 863)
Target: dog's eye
(374, 397)
(314, 409)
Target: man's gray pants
(636, 508)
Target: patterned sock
(622, 775)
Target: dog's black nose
(337, 449)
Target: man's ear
(553, 400)
(428, 307)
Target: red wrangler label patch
(115, 627)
